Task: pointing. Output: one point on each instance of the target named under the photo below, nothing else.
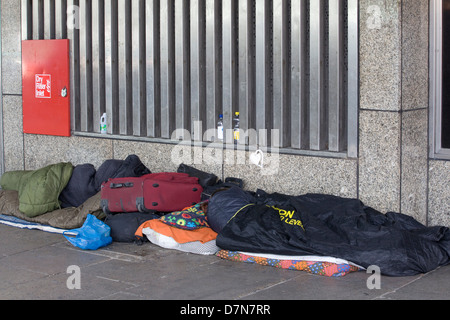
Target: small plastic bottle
(236, 130)
(103, 124)
(220, 128)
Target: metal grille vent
(162, 66)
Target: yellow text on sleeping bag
(287, 217)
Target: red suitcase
(169, 192)
(162, 192)
(119, 195)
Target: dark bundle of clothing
(86, 181)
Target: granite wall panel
(379, 163)
(439, 193)
(414, 164)
(295, 175)
(13, 133)
(41, 150)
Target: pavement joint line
(266, 288)
(119, 281)
(105, 253)
(384, 295)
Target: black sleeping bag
(222, 208)
(332, 226)
(113, 168)
(80, 187)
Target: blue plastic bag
(93, 235)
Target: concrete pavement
(39, 265)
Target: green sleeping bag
(39, 189)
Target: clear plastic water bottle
(103, 124)
(236, 131)
(220, 128)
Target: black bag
(114, 168)
(123, 226)
(209, 191)
(204, 179)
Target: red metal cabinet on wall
(46, 87)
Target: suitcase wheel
(104, 206)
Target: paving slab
(35, 265)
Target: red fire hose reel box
(46, 87)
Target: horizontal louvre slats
(156, 66)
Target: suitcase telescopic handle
(121, 185)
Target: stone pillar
(394, 105)
(12, 84)
(415, 71)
